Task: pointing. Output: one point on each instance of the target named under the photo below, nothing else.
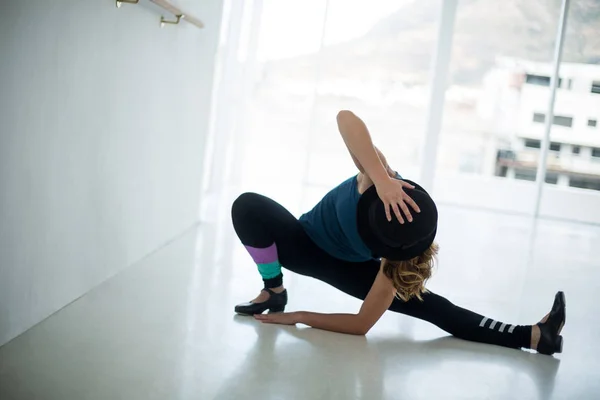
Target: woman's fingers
(412, 203)
(404, 208)
(387, 211)
(266, 318)
(408, 199)
(397, 211)
(396, 200)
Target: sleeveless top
(332, 225)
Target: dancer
(371, 237)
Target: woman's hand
(279, 318)
(392, 194)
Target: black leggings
(260, 221)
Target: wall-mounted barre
(119, 2)
(176, 11)
(179, 15)
(163, 21)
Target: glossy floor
(164, 328)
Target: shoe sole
(560, 346)
(274, 310)
(563, 299)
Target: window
(530, 175)
(576, 149)
(558, 119)
(595, 152)
(596, 87)
(541, 80)
(506, 155)
(533, 144)
(584, 183)
(592, 122)
(563, 121)
(552, 178)
(525, 174)
(537, 144)
(537, 80)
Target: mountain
(399, 48)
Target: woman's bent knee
(244, 204)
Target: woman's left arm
(376, 303)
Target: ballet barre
(166, 5)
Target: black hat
(393, 240)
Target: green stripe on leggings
(269, 270)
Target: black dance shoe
(275, 303)
(550, 340)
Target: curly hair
(409, 277)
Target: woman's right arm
(390, 171)
(361, 148)
(363, 152)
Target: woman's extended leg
(463, 323)
(356, 280)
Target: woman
(373, 238)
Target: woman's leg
(272, 236)
(356, 280)
(261, 224)
(463, 323)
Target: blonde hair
(409, 277)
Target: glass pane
(375, 61)
(496, 104)
(276, 97)
(576, 194)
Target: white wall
(103, 118)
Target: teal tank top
(332, 224)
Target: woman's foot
(545, 335)
(264, 295)
(272, 299)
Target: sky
(293, 27)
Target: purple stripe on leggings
(263, 256)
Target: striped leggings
(262, 223)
